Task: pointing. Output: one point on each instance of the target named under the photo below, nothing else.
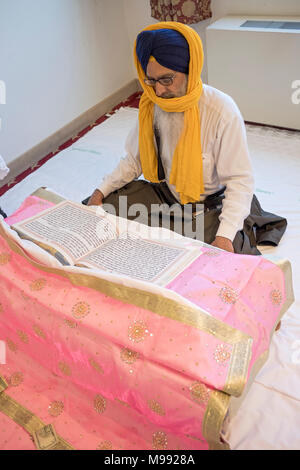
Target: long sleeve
(234, 170)
(129, 167)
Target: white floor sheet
(269, 417)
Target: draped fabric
(183, 11)
(110, 366)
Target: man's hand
(96, 198)
(223, 243)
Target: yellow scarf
(187, 170)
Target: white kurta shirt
(225, 154)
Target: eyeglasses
(166, 81)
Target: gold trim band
(43, 435)
(213, 420)
(3, 384)
(47, 195)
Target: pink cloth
(120, 376)
(243, 291)
(30, 207)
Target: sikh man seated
(190, 144)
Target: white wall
(58, 58)
(138, 14)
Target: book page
(70, 228)
(138, 258)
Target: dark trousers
(260, 227)
(3, 213)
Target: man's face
(178, 87)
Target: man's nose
(159, 89)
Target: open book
(87, 236)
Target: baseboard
(54, 141)
(273, 127)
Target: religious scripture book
(87, 236)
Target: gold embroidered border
(213, 420)
(238, 367)
(47, 195)
(286, 268)
(43, 435)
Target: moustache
(167, 96)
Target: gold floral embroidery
(129, 356)
(39, 331)
(96, 366)
(23, 336)
(11, 345)
(228, 295)
(1, 308)
(38, 284)
(222, 354)
(16, 379)
(105, 445)
(159, 440)
(65, 368)
(137, 331)
(81, 309)
(70, 323)
(99, 404)
(55, 408)
(156, 407)
(276, 297)
(4, 258)
(199, 393)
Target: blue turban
(167, 46)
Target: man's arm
(234, 169)
(127, 170)
(223, 243)
(96, 198)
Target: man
(190, 143)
